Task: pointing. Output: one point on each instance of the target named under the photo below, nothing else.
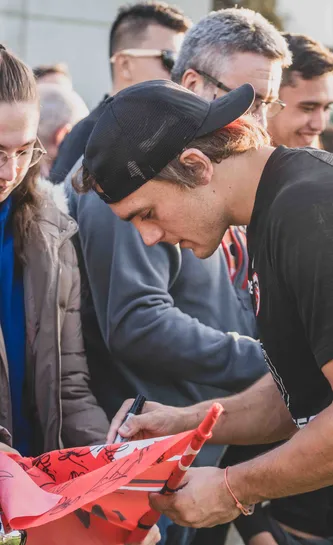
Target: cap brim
(226, 109)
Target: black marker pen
(134, 410)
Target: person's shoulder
(82, 129)
(306, 179)
(292, 159)
(322, 156)
(52, 196)
(51, 228)
(87, 124)
(53, 207)
(302, 206)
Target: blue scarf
(12, 320)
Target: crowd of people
(170, 243)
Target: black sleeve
(73, 146)
(301, 250)
(248, 527)
(138, 319)
(236, 454)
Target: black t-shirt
(73, 146)
(290, 243)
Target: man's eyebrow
(28, 143)
(132, 215)
(270, 98)
(22, 146)
(259, 96)
(310, 103)
(314, 103)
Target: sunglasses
(167, 56)
(273, 107)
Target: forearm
(256, 416)
(302, 464)
(183, 347)
(138, 318)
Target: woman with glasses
(45, 400)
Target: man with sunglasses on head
(144, 41)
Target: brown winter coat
(57, 373)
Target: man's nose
(261, 115)
(319, 119)
(151, 234)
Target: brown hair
(311, 59)
(18, 85)
(242, 135)
(132, 21)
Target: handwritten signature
(117, 472)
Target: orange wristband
(245, 510)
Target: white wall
(76, 32)
(309, 17)
(71, 31)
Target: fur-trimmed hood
(54, 193)
(54, 210)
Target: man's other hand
(156, 420)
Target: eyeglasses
(273, 107)
(28, 157)
(167, 56)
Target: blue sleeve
(130, 285)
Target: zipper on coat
(68, 236)
(58, 353)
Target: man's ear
(60, 133)
(193, 81)
(122, 67)
(199, 162)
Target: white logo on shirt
(256, 292)
(301, 422)
(276, 377)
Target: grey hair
(212, 41)
(59, 106)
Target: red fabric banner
(91, 495)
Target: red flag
(91, 495)
(86, 494)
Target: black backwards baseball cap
(144, 127)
